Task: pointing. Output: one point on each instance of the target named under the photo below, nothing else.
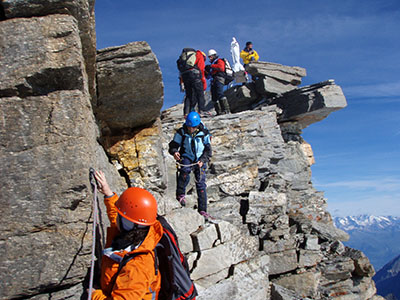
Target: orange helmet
(138, 206)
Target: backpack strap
(123, 262)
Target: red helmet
(138, 206)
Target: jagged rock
(337, 247)
(248, 280)
(311, 243)
(185, 221)
(81, 10)
(138, 154)
(130, 88)
(282, 262)
(270, 80)
(224, 255)
(227, 231)
(280, 293)
(42, 55)
(336, 269)
(242, 97)
(361, 263)
(293, 169)
(48, 142)
(329, 232)
(268, 220)
(303, 284)
(284, 75)
(309, 258)
(363, 287)
(205, 238)
(280, 245)
(311, 104)
(263, 203)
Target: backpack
(186, 60)
(229, 74)
(175, 277)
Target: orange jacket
(137, 280)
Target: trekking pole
(93, 183)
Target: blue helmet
(193, 119)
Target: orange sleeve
(111, 211)
(112, 214)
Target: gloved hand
(182, 87)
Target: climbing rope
(93, 183)
(202, 170)
(182, 165)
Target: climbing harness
(179, 165)
(93, 183)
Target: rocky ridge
(271, 238)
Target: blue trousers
(200, 177)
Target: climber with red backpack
(142, 259)
(191, 148)
(218, 72)
(191, 65)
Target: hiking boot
(217, 107)
(206, 215)
(225, 105)
(181, 200)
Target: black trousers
(194, 92)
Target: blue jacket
(195, 147)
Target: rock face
(277, 84)
(130, 89)
(264, 200)
(311, 104)
(272, 78)
(48, 142)
(271, 236)
(83, 13)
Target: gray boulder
(130, 87)
(310, 104)
(272, 79)
(81, 10)
(242, 97)
(41, 55)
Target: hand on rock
(104, 187)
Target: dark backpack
(175, 277)
(186, 60)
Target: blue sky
(357, 43)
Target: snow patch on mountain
(366, 222)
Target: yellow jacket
(137, 279)
(247, 57)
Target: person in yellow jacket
(248, 54)
(134, 228)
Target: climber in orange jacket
(133, 229)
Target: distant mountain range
(377, 236)
(387, 280)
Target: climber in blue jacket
(191, 149)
